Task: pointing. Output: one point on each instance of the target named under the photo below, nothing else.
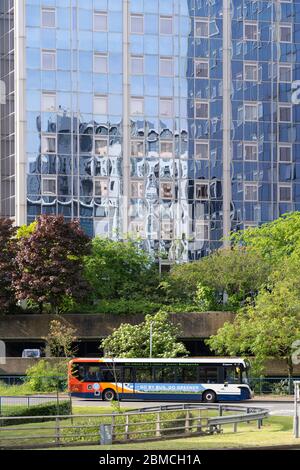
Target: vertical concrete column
(20, 111)
(126, 119)
(227, 116)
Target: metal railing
(153, 423)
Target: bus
(209, 380)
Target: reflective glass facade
(124, 117)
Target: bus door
(128, 381)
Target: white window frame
(198, 62)
(250, 144)
(251, 23)
(164, 100)
(137, 57)
(96, 56)
(285, 185)
(170, 20)
(48, 52)
(204, 21)
(48, 94)
(105, 100)
(140, 184)
(281, 146)
(100, 13)
(101, 180)
(136, 15)
(286, 106)
(250, 105)
(285, 66)
(203, 183)
(170, 142)
(206, 144)
(198, 227)
(137, 141)
(170, 183)
(166, 59)
(48, 135)
(251, 64)
(137, 98)
(289, 26)
(253, 185)
(49, 178)
(201, 102)
(100, 139)
(167, 229)
(48, 9)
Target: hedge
(49, 409)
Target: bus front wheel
(209, 396)
(108, 395)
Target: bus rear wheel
(108, 395)
(209, 396)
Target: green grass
(15, 390)
(277, 430)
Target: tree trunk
(290, 366)
(41, 307)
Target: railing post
(220, 410)
(187, 422)
(234, 427)
(157, 431)
(199, 424)
(127, 428)
(259, 423)
(113, 427)
(28, 402)
(57, 431)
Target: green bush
(122, 306)
(49, 409)
(47, 377)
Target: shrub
(47, 377)
(49, 409)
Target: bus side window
(127, 374)
(208, 375)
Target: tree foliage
(7, 267)
(119, 269)
(134, 340)
(50, 262)
(60, 338)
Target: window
(100, 21)
(101, 147)
(202, 150)
(208, 375)
(285, 153)
(137, 189)
(165, 374)
(137, 148)
(251, 192)
(166, 66)
(49, 186)
(201, 28)
(100, 63)
(166, 149)
(285, 113)
(285, 33)
(143, 374)
(250, 31)
(201, 191)
(201, 110)
(166, 107)
(137, 105)
(101, 188)
(137, 65)
(48, 101)
(166, 232)
(285, 193)
(166, 25)
(201, 69)
(166, 190)
(251, 112)
(136, 24)
(250, 72)
(202, 231)
(285, 73)
(49, 143)
(48, 18)
(250, 151)
(48, 60)
(100, 105)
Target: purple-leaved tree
(7, 254)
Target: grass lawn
(277, 430)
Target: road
(277, 408)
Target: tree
(134, 340)
(60, 338)
(119, 269)
(50, 263)
(267, 329)
(7, 267)
(233, 274)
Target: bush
(47, 377)
(122, 306)
(49, 409)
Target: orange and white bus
(204, 379)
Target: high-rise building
(173, 120)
